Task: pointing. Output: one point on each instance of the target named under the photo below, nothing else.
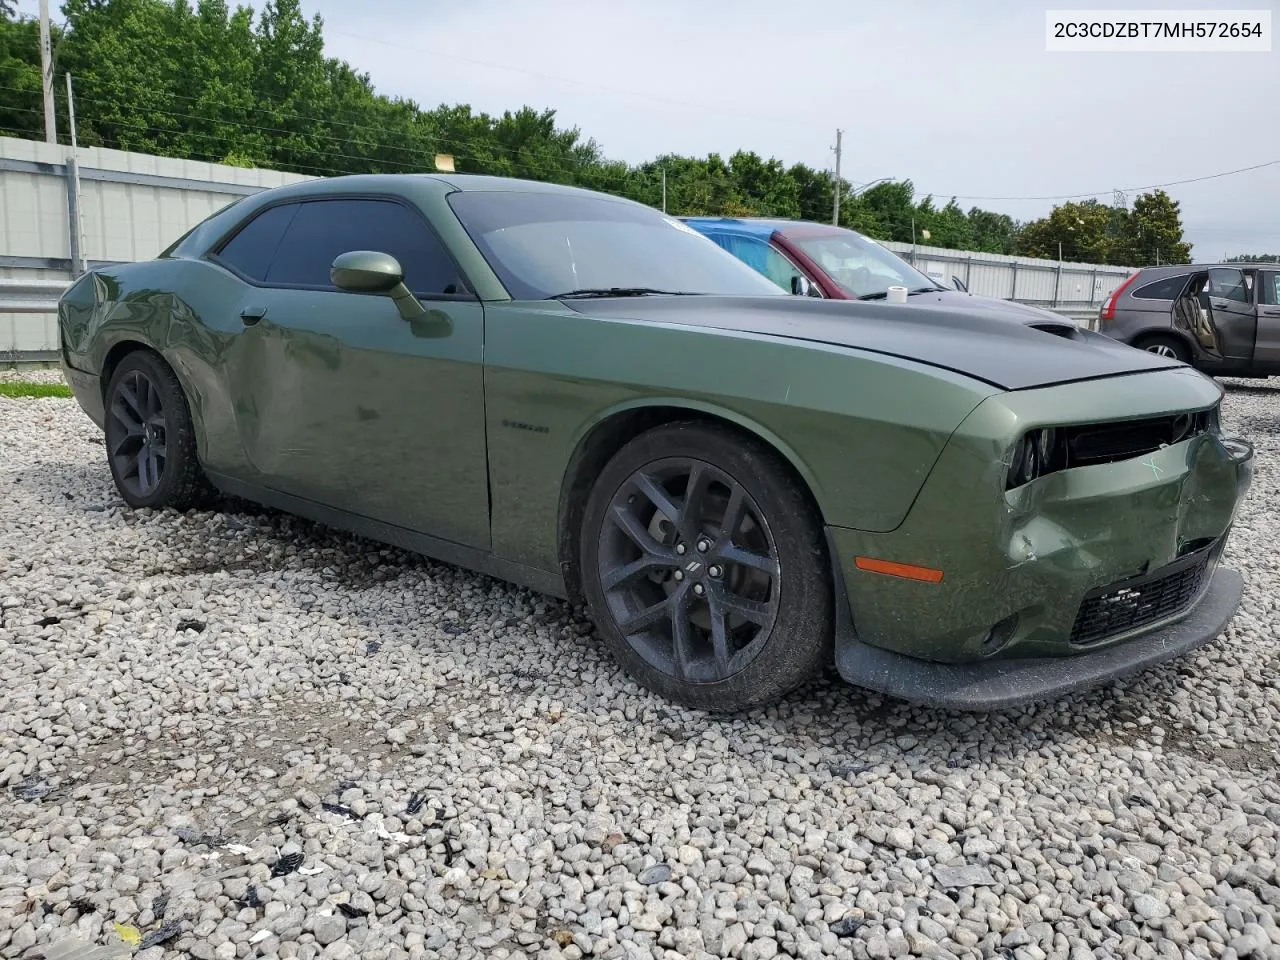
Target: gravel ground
(238, 734)
(31, 376)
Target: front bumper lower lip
(1000, 684)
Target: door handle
(251, 315)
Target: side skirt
(446, 551)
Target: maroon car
(827, 261)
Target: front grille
(1138, 601)
(1126, 439)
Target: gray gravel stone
(1149, 908)
(658, 873)
(964, 875)
(511, 793)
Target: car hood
(1009, 349)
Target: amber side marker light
(905, 570)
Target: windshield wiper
(587, 292)
(884, 293)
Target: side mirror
(801, 287)
(368, 271)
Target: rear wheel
(1170, 347)
(705, 569)
(150, 437)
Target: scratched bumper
(1000, 684)
(1024, 565)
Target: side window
(1228, 284)
(251, 250)
(1166, 289)
(760, 256)
(1270, 288)
(323, 229)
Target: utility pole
(46, 75)
(664, 189)
(835, 213)
(74, 205)
(71, 112)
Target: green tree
(1082, 231)
(765, 185)
(21, 110)
(992, 232)
(1153, 231)
(813, 192)
(1254, 258)
(950, 227)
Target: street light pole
(835, 213)
(867, 186)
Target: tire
(655, 594)
(150, 437)
(1165, 347)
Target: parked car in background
(821, 260)
(1223, 318)
(580, 394)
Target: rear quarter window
(253, 248)
(1166, 289)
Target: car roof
(443, 182)
(474, 182)
(1172, 269)
(760, 229)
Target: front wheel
(705, 568)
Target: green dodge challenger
(580, 394)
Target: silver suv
(1223, 319)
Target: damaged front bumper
(1074, 579)
(1000, 684)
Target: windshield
(861, 267)
(547, 244)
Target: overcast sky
(961, 98)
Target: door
(339, 400)
(1267, 351)
(1231, 308)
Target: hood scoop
(1068, 331)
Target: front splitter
(1000, 684)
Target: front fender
(862, 430)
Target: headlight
(1033, 456)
